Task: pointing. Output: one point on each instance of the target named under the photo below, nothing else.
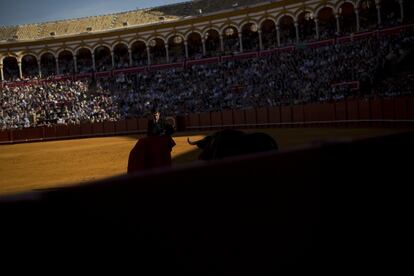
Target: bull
(229, 142)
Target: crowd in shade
(302, 76)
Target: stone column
(379, 14)
(113, 59)
(1, 72)
(203, 42)
(186, 48)
(402, 10)
(130, 56)
(167, 53)
(93, 62)
(260, 40)
(278, 35)
(297, 32)
(75, 64)
(357, 19)
(148, 56)
(221, 43)
(241, 42)
(57, 66)
(39, 67)
(317, 27)
(338, 25)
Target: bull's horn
(191, 143)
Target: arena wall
(353, 112)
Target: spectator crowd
(300, 76)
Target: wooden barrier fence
(365, 112)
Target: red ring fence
(397, 111)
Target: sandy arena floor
(30, 166)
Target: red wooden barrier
(97, 128)
(74, 130)
(216, 119)
(50, 132)
(62, 131)
(340, 111)
(318, 44)
(286, 114)
(311, 112)
(410, 108)
(344, 39)
(103, 74)
(274, 115)
(227, 117)
(388, 108)
(326, 112)
(120, 126)
(251, 117)
(132, 124)
(262, 117)
(363, 107)
(19, 134)
(109, 127)
(298, 114)
(4, 136)
(86, 128)
(352, 110)
(166, 66)
(239, 117)
(194, 120)
(205, 119)
(248, 55)
(129, 70)
(143, 124)
(376, 109)
(400, 107)
(203, 61)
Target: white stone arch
(29, 53)
(155, 37)
(187, 34)
(279, 17)
(13, 55)
(327, 5)
(96, 46)
(205, 31)
(300, 11)
(175, 34)
(227, 25)
(137, 40)
(271, 18)
(48, 51)
(248, 21)
(65, 49)
(83, 47)
(116, 43)
(340, 3)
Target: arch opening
(30, 66)
(250, 37)
(269, 34)
(195, 46)
(66, 64)
(48, 65)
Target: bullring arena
(34, 166)
(332, 82)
